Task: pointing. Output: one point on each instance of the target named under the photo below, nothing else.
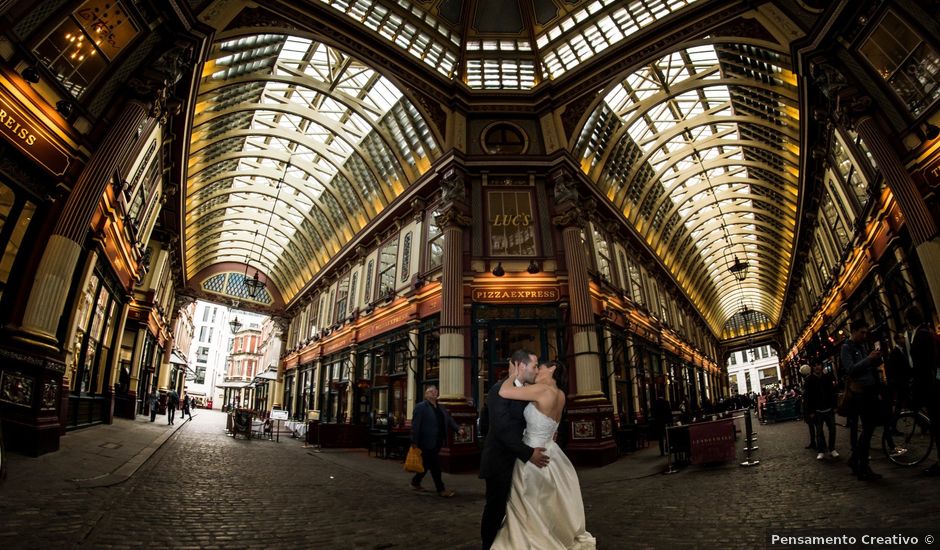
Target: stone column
(586, 358)
(50, 291)
(611, 372)
(589, 411)
(163, 382)
(351, 387)
(412, 374)
(856, 110)
(282, 325)
(453, 220)
(460, 453)
(315, 384)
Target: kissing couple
(533, 497)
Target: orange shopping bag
(413, 461)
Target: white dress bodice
(539, 429)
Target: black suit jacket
(504, 435)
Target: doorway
(499, 331)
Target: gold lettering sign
(22, 129)
(516, 220)
(518, 295)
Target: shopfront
(500, 329)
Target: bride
(545, 509)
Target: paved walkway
(203, 489)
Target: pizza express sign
(516, 295)
(29, 136)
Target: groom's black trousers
(497, 493)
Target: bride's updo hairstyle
(560, 375)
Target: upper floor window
(82, 46)
(511, 223)
(435, 242)
(342, 294)
(602, 248)
(910, 66)
(387, 258)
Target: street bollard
(749, 446)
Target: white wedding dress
(545, 510)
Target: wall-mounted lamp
(931, 132)
(30, 74)
(533, 267)
(498, 270)
(64, 107)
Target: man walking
(925, 357)
(429, 424)
(154, 404)
(862, 365)
(504, 446)
(172, 402)
(820, 400)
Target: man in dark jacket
(862, 366)
(925, 358)
(820, 400)
(172, 402)
(429, 424)
(504, 446)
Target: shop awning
(233, 385)
(177, 359)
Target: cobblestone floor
(203, 489)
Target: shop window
(435, 242)
(83, 45)
(16, 214)
(511, 224)
(432, 355)
(387, 261)
(910, 66)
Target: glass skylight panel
(326, 134)
(405, 35)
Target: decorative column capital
(852, 108)
(828, 78)
(575, 215)
(154, 85)
(452, 217)
(453, 188)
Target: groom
(504, 445)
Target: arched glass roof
(505, 44)
(699, 150)
(295, 147)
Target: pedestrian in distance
(187, 406)
(429, 424)
(172, 402)
(820, 401)
(862, 365)
(154, 404)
